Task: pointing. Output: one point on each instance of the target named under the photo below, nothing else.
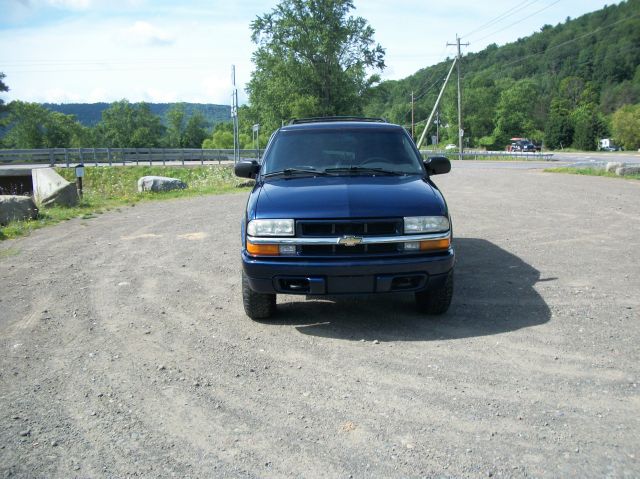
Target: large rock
(49, 188)
(16, 208)
(160, 183)
(628, 170)
(612, 166)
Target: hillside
(559, 85)
(89, 114)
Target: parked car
(606, 144)
(345, 206)
(451, 146)
(523, 145)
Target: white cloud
(59, 95)
(156, 95)
(98, 95)
(143, 33)
(217, 88)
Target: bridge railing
(119, 156)
(149, 156)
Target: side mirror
(437, 165)
(247, 168)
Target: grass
(592, 172)
(108, 188)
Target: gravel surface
(124, 349)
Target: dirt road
(124, 349)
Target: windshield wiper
(365, 169)
(295, 172)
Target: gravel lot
(124, 349)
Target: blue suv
(345, 206)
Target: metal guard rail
(474, 155)
(137, 156)
(119, 156)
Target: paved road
(619, 156)
(507, 165)
(124, 350)
(559, 159)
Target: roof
(339, 123)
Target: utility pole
(438, 125)
(234, 115)
(444, 85)
(413, 133)
(460, 130)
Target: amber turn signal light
(435, 245)
(262, 249)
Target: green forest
(567, 86)
(90, 114)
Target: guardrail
(474, 155)
(130, 156)
(118, 156)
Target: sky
(68, 51)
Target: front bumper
(312, 276)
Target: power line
(593, 32)
(519, 21)
(504, 15)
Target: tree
(571, 89)
(222, 138)
(176, 125)
(625, 126)
(588, 126)
(559, 128)
(25, 125)
(3, 109)
(480, 104)
(126, 125)
(313, 59)
(3, 87)
(194, 132)
(30, 125)
(513, 113)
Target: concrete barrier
(49, 188)
(14, 207)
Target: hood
(348, 197)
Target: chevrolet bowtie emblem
(350, 240)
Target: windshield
(357, 151)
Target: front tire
(437, 300)
(257, 305)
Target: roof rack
(328, 119)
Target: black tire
(436, 300)
(257, 305)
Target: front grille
(364, 227)
(358, 227)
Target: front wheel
(257, 305)
(436, 300)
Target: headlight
(270, 228)
(426, 224)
